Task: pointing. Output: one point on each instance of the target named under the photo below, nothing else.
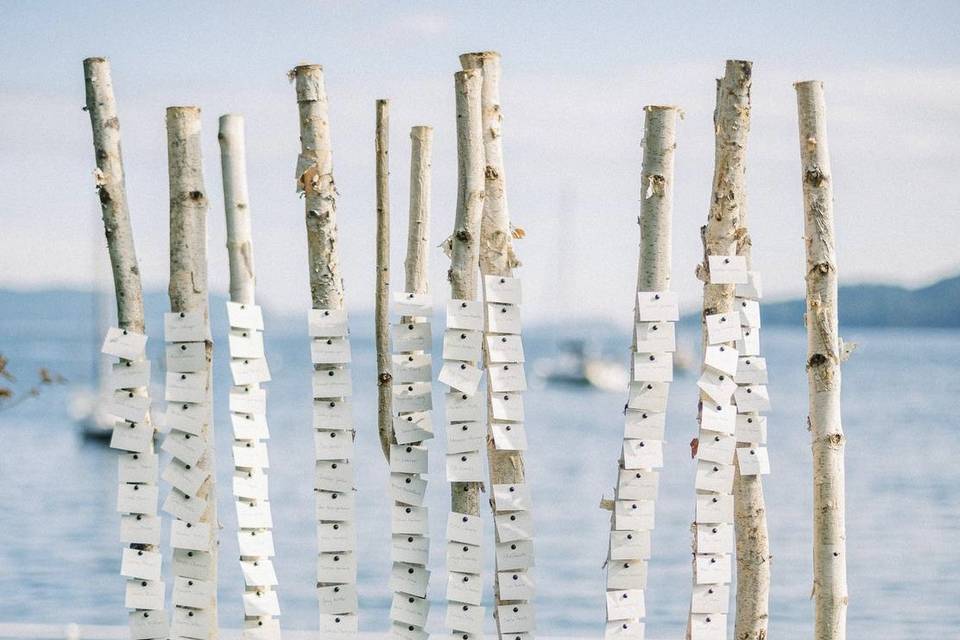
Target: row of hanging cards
(732, 392)
(513, 521)
(466, 440)
(412, 427)
(334, 484)
(635, 496)
(188, 423)
(137, 492)
(248, 418)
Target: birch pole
(330, 353)
(416, 271)
(824, 350)
(382, 299)
(497, 258)
(138, 465)
(188, 295)
(465, 242)
(248, 368)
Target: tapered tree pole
(188, 294)
(416, 273)
(823, 369)
(259, 599)
(465, 242)
(382, 298)
(111, 188)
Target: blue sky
(575, 79)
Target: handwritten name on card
(465, 436)
(465, 314)
(624, 604)
(716, 447)
(629, 545)
(464, 528)
(411, 367)
(514, 525)
(753, 461)
(751, 370)
(184, 326)
(509, 436)
(411, 336)
(712, 568)
(245, 316)
(642, 454)
(130, 374)
(186, 357)
(637, 484)
(713, 476)
(256, 543)
(412, 397)
(657, 306)
(465, 467)
(123, 343)
(327, 323)
(721, 418)
(656, 337)
(413, 427)
(515, 585)
(752, 398)
(511, 497)
(649, 396)
(245, 343)
(653, 367)
(332, 413)
(714, 509)
(332, 383)
(330, 351)
(409, 548)
(505, 348)
(412, 304)
(727, 269)
(718, 387)
(462, 344)
(461, 376)
(503, 318)
(507, 377)
(751, 428)
(502, 289)
(723, 327)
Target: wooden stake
(188, 289)
(824, 350)
(382, 304)
(465, 242)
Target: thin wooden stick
(465, 243)
(233, 161)
(382, 304)
(188, 292)
(824, 350)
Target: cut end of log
(476, 58)
(807, 84)
(94, 60)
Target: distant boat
(581, 364)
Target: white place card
(186, 356)
(716, 447)
(137, 498)
(401, 631)
(517, 554)
(335, 506)
(244, 316)
(464, 558)
(657, 306)
(144, 594)
(256, 543)
(411, 367)
(335, 536)
(464, 587)
(649, 396)
(139, 529)
(627, 574)
(190, 623)
(137, 467)
(412, 397)
(130, 405)
(502, 289)
(465, 467)
(408, 609)
(184, 506)
(330, 351)
(187, 417)
(411, 336)
(624, 630)
(139, 563)
(333, 444)
(123, 343)
(249, 399)
(718, 387)
(723, 327)
(630, 545)
(332, 383)
(634, 515)
(332, 413)
(509, 436)
(245, 343)
(507, 377)
(413, 427)
(130, 374)
(461, 376)
(714, 509)
(336, 475)
(503, 318)
(505, 348)
(721, 358)
(752, 398)
(132, 436)
(753, 461)
(338, 567)
(338, 625)
(513, 525)
(749, 343)
(721, 418)
(184, 446)
(254, 514)
(412, 549)
(714, 538)
(407, 489)
(749, 312)
(465, 314)
(185, 387)
(251, 484)
(507, 406)
(408, 459)
(712, 568)
(515, 618)
(409, 578)
(191, 592)
(409, 519)
(465, 436)
(712, 626)
(464, 617)
(751, 370)
(144, 625)
(327, 323)
(341, 598)
(412, 304)
(625, 604)
(511, 497)
(462, 344)
(515, 585)
(656, 337)
(713, 476)
(727, 269)
(193, 536)
(710, 598)
(653, 367)
(250, 454)
(185, 477)
(642, 454)
(751, 427)
(249, 426)
(752, 288)
(462, 527)
(184, 326)
(463, 407)
(637, 484)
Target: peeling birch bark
(823, 369)
(382, 298)
(111, 188)
(418, 228)
(465, 242)
(188, 290)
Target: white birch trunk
(465, 242)
(418, 228)
(382, 298)
(242, 290)
(188, 292)
(823, 369)
(111, 188)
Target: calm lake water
(59, 549)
